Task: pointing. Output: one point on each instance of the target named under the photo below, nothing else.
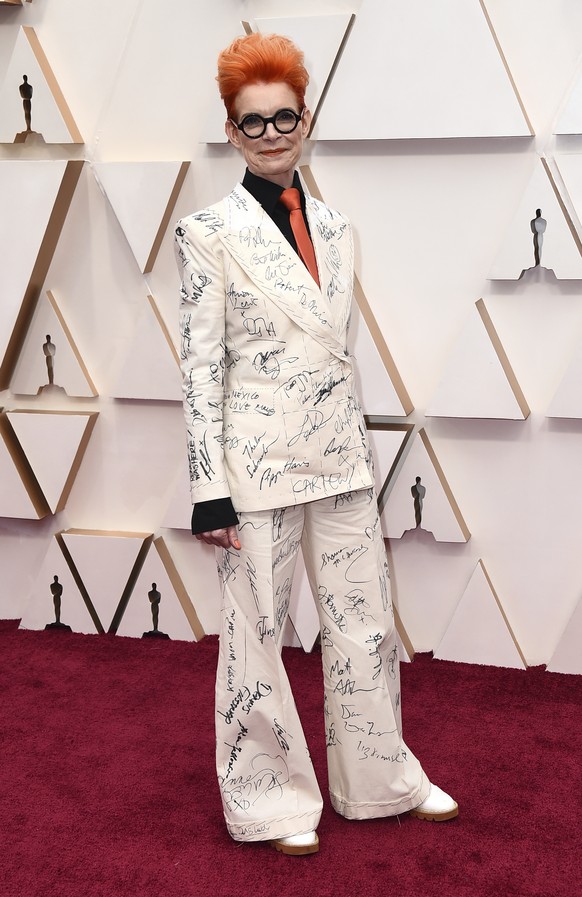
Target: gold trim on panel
(130, 584)
(81, 448)
(164, 328)
(179, 588)
(506, 66)
(23, 467)
(502, 612)
(53, 84)
(375, 422)
(368, 314)
(46, 251)
(445, 486)
(503, 359)
(565, 212)
(73, 345)
(79, 582)
(166, 217)
(332, 72)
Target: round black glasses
(254, 125)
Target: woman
(279, 460)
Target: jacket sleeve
(199, 256)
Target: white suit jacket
(271, 411)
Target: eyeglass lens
(284, 121)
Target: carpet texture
(108, 789)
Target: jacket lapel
(332, 240)
(262, 251)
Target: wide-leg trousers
(265, 774)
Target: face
(273, 156)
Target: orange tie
(292, 201)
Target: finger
(233, 539)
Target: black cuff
(215, 514)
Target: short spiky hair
(260, 58)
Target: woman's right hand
(222, 538)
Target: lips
(276, 152)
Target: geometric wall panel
(567, 401)
(159, 587)
(143, 196)
(380, 89)
(107, 564)
(54, 443)
(20, 495)
(570, 119)
(321, 39)
(33, 108)
(479, 631)
(380, 385)
(35, 200)
(479, 381)
(388, 442)
(41, 607)
(567, 658)
(151, 369)
(558, 243)
(421, 497)
(59, 359)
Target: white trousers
(266, 778)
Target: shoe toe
(437, 807)
(297, 845)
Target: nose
(271, 131)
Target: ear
(233, 133)
(306, 123)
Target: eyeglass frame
(269, 121)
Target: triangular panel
(143, 196)
(20, 495)
(380, 385)
(32, 107)
(321, 38)
(388, 441)
(567, 658)
(54, 443)
(381, 91)
(35, 200)
(41, 608)
(49, 353)
(151, 369)
(421, 496)
(479, 631)
(154, 590)
(479, 381)
(547, 238)
(107, 564)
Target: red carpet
(108, 789)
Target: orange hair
(257, 58)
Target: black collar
(267, 193)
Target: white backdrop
(430, 215)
